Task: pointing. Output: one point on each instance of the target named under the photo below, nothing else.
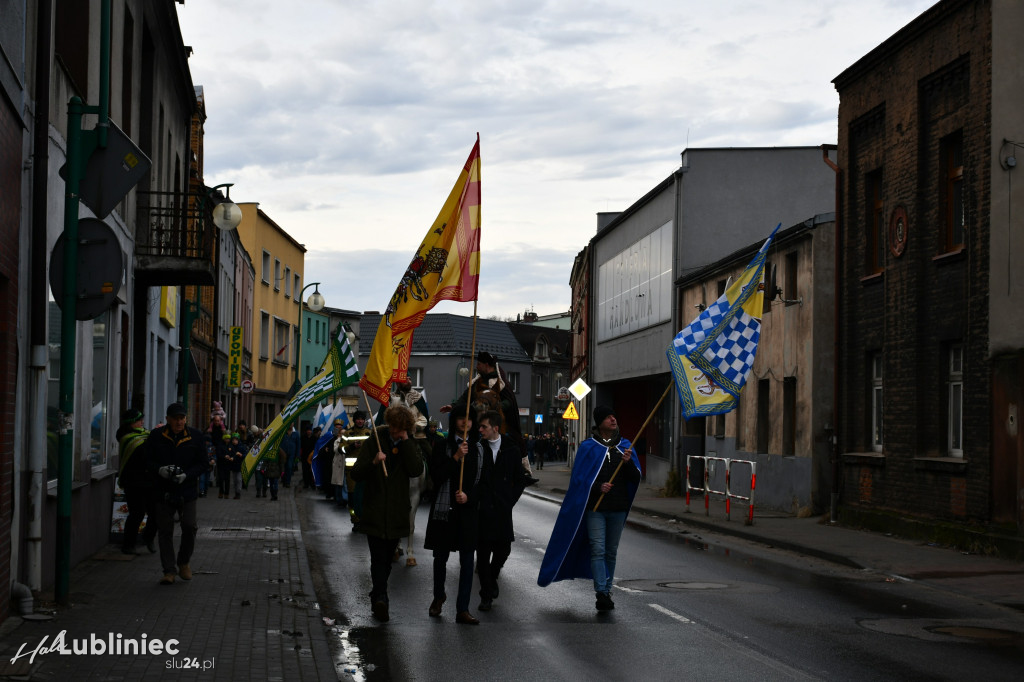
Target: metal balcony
(175, 240)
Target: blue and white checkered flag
(713, 355)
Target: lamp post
(226, 217)
(315, 303)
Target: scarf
(442, 503)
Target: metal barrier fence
(728, 493)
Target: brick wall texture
(932, 80)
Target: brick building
(925, 275)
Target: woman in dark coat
(453, 525)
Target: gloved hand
(165, 472)
(179, 479)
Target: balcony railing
(175, 240)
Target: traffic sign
(570, 412)
(247, 385)
(579, 389)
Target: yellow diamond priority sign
(570, 412)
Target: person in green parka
(385, 464)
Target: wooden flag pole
(639, 433)
(377, 435)
(469, 395)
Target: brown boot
(168, 579)
(185, 571)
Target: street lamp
(315, 303)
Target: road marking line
(670, 614)
(628, 589)
(540, 549)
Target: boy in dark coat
(385, 464)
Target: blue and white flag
(713, 355)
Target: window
(513, 381)
(769, 287)
(538, 385)
(764, 414)
(951, 150)
(876, 402)
(277, 275)
(265, 275)
(297, 288)
(789, 292)
(415, 375)
(287, 282)
(282, 341)
(542, 348)
(264, 335)
(789, 416)
(955, 400)
(875, 212)
(100, 397)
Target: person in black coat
(502, 482)
(176, 454)
(455, 467)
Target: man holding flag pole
(710, 360)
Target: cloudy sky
(349, 121)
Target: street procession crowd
(474, 474)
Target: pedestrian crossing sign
(570, 412)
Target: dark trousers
(224, 480)
(491, 555)
(382, 551)
(165, 512)
(140, 504)
(465, 576)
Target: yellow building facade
(278, 260)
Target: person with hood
(133, 477)
(584, 542)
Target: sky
(349, 121)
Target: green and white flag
(338, 369)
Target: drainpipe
(38, 351)
(22, 596)
(836, 308)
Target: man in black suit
(502, 482)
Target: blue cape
(568, 552)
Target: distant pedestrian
(236, 455)
(385, 514)
(290, 447)
(176, 457)
(584, 543)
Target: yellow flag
(446, 267)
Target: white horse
(417, 486)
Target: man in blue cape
(584, 542)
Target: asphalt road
(685, 608)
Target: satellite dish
(100, 269)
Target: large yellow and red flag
(446, 267)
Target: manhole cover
(693, 586)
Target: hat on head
(176, 410)
(131, 416)
(358, 414)
(487, 358)
(235, 435)
(601, 413)
(227, 436)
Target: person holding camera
(177, 457)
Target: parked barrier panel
(727, 493)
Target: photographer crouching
(176, 458)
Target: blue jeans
(604, 530)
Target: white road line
(630, 590)
(540, 549)
(670, 614)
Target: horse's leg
(414, 503)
